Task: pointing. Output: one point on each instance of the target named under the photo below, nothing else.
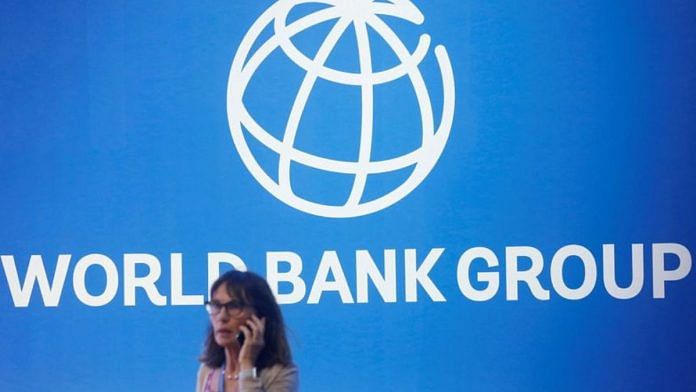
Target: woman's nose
(223, 316)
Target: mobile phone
(240, 338)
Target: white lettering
(274, 276)
(80, 286)
(637, 264)
(419, 274)
(590, 276)
(177, 283)
(660, 274)
(531, 276)
(366, 269)
(36, 272)
(492, 278)
(147, 282)
(330, 264)
(217, 258)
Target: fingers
(257, 327)
(246, 331)
(254, 329)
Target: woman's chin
(223, 340)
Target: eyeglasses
(234, 308)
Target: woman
(246, 349)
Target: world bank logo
(274, 33)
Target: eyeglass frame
(233, 308)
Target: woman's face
(226, 322)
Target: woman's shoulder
(278, 377)
(281, 375)
(203, 372)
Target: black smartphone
(240, 338)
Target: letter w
(50, 292)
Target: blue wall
(573, 124)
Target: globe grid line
(302, 97)
(338, 76)
(422, 95)
(243, 125)
(344, 167)
(366, 115)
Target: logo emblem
(342, 14)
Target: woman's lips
(224, 331)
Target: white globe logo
(361, 14)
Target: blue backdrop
(573, 124)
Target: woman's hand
(253, 331)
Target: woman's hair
(254, 291)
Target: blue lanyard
(221, 382)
